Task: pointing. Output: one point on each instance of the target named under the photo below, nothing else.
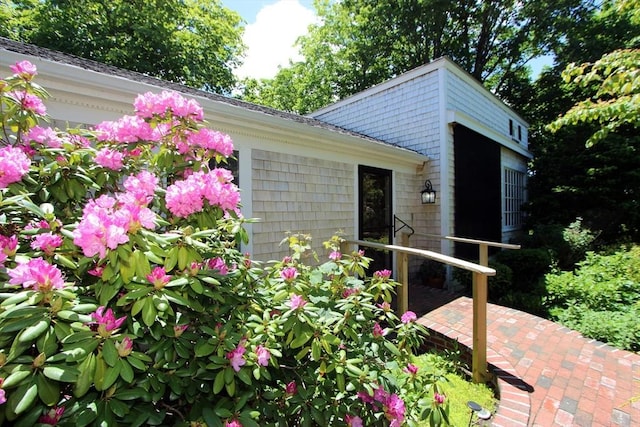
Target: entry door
(375, 214)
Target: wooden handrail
(472, 241)
(480, 272)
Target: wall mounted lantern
(428, 195)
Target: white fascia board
(454, 116)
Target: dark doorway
(375, 223)
(478, 204)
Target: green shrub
(528, 266)
(498, 285)
(600, 299)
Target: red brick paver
(569, 380)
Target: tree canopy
(194, 42)
(360, 43)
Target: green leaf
(149, 312)
(66, 374)
(211, 418)
(126, 372)
(109, 352)
(218, 383)
(244, 376)
(34, 331)
(172, 259)
(183, 257)
(204, 348)
(48, 391)
(16, 377)
(21, 399)
(85, 379)
(110, 376)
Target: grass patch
(458, 388)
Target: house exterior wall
(300, 194)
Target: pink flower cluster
(289, 274)
(24, 69)
(28, 101)
(382, 274)
(46, 242)
(14, 164)
(236, 357)
(408, 317)
(8, 247)
(297, 301)
(106, 321)
(158, 278)
(106, 222)
(52, 416)
(44, 136)
(110, 159)
(186, 197)
(37, 274)
(128, 129)
(209, 140)
(353, 421)
(263, 355)
(142, 186)
(149, 105)
(392, 405)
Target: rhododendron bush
(125, 300)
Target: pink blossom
(394, 409)
(297, 301)
(353, 421)
(96, 271)
(44, 136)
(291, 388)
(46, 242)
(14, 164)
(438, 398)
(382, 274)
(28, 101)
(53, 415)
(212, 140)
(218, 264)
(126, 130)
(335, 255)
(380, 395)
(408, 317)
(158, 278)
(124, 347)
(178, 330)
(378, 331)
(236, 357)
(289, 274)
(142, 186)
(167, 102)
(184, 198)
(232, 423)
(110, 159)
(385, 306)
(106, 320)
(3, 397)
(37, 274)
(24, 69)
(263, 355)
(411, 369)
(348, 292)
(8, 245)
(365, 397)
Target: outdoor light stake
(428, 195)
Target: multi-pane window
(514, 187)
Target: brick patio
(549, 375)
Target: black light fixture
(428, 195)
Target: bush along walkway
(570, 380)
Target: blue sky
(270, 33)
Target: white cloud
(270, 39)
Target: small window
(510, 127)
(519, 133)
(514, 192)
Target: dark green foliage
(193, 42)
(499, 285)
(528, 266)
(601, 299)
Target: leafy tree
(569, 179)
(194, 42)
(360, 43)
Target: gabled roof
(59, 57)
